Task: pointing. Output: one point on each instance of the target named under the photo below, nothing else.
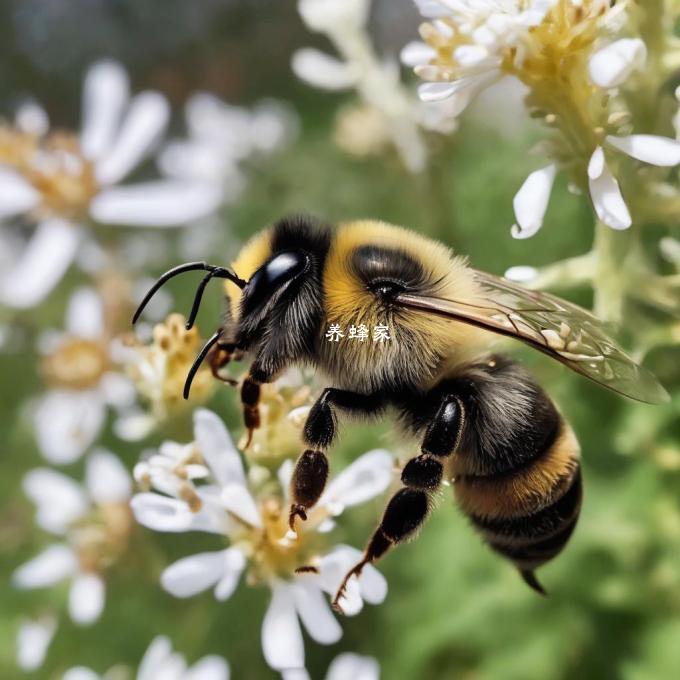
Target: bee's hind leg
(409, 507)
(311, 469)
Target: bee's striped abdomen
(517, 473)
(528, 515)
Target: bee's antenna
(219, 272)
(199, 360)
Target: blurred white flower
(377, 82)
(345, 666)
(61, 181)
(160, 662)
(221, 137)
(612, 65)
(33, 641)
(94, 521)
(82, 381)
(253, 516)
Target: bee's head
(275, 310)
(270, 292)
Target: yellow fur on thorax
(252, 256)
(439, 343)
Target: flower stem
(609, 282)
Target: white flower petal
(117, 390)
(613, 64)
(607, 199)
(235, 563)
(141, 129)
(105, 94)
(239, 501)
(33, 640)
(161, 513)
(217, 448)
(81, 673)
(52, 565)
(194, 574)
(66, 423)
(106, 478)
(315, 612)
(367, 477)
(531, 201)
(85, 314)
(42, 264)
(521, 273)
(157, 653)
(348, 666)
(59, 500)
(16, 194)
(295, 674)
(321, 70)
(86, 598)
(282, 642)
(661, 151)
(596, 164)
(210, 667)
(434, 92)
(371, 585)
(162, 203)
(31, 118)
(463, 90)
(284, 475)
(417, 53)
(134, 426)
(330, 16)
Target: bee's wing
(558, 328)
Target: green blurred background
(454, 610)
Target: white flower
(63, 508)
(376, 81)
(77, 364)
(255, 521)
(612, 65)
(118, 133)
(346, 666)
(334, 16)
(531, 200)
(221, 137)
(467, 42)
(33, 640)
(160, 662)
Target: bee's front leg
(220, 355)
(311, 470)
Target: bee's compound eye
(281, 269)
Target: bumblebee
(483, 422)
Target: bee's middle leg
(409, 507)
(311, 469)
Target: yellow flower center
(103, 537)
(55, 167)
(164, 364)
(272, 552)
(77, 364)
